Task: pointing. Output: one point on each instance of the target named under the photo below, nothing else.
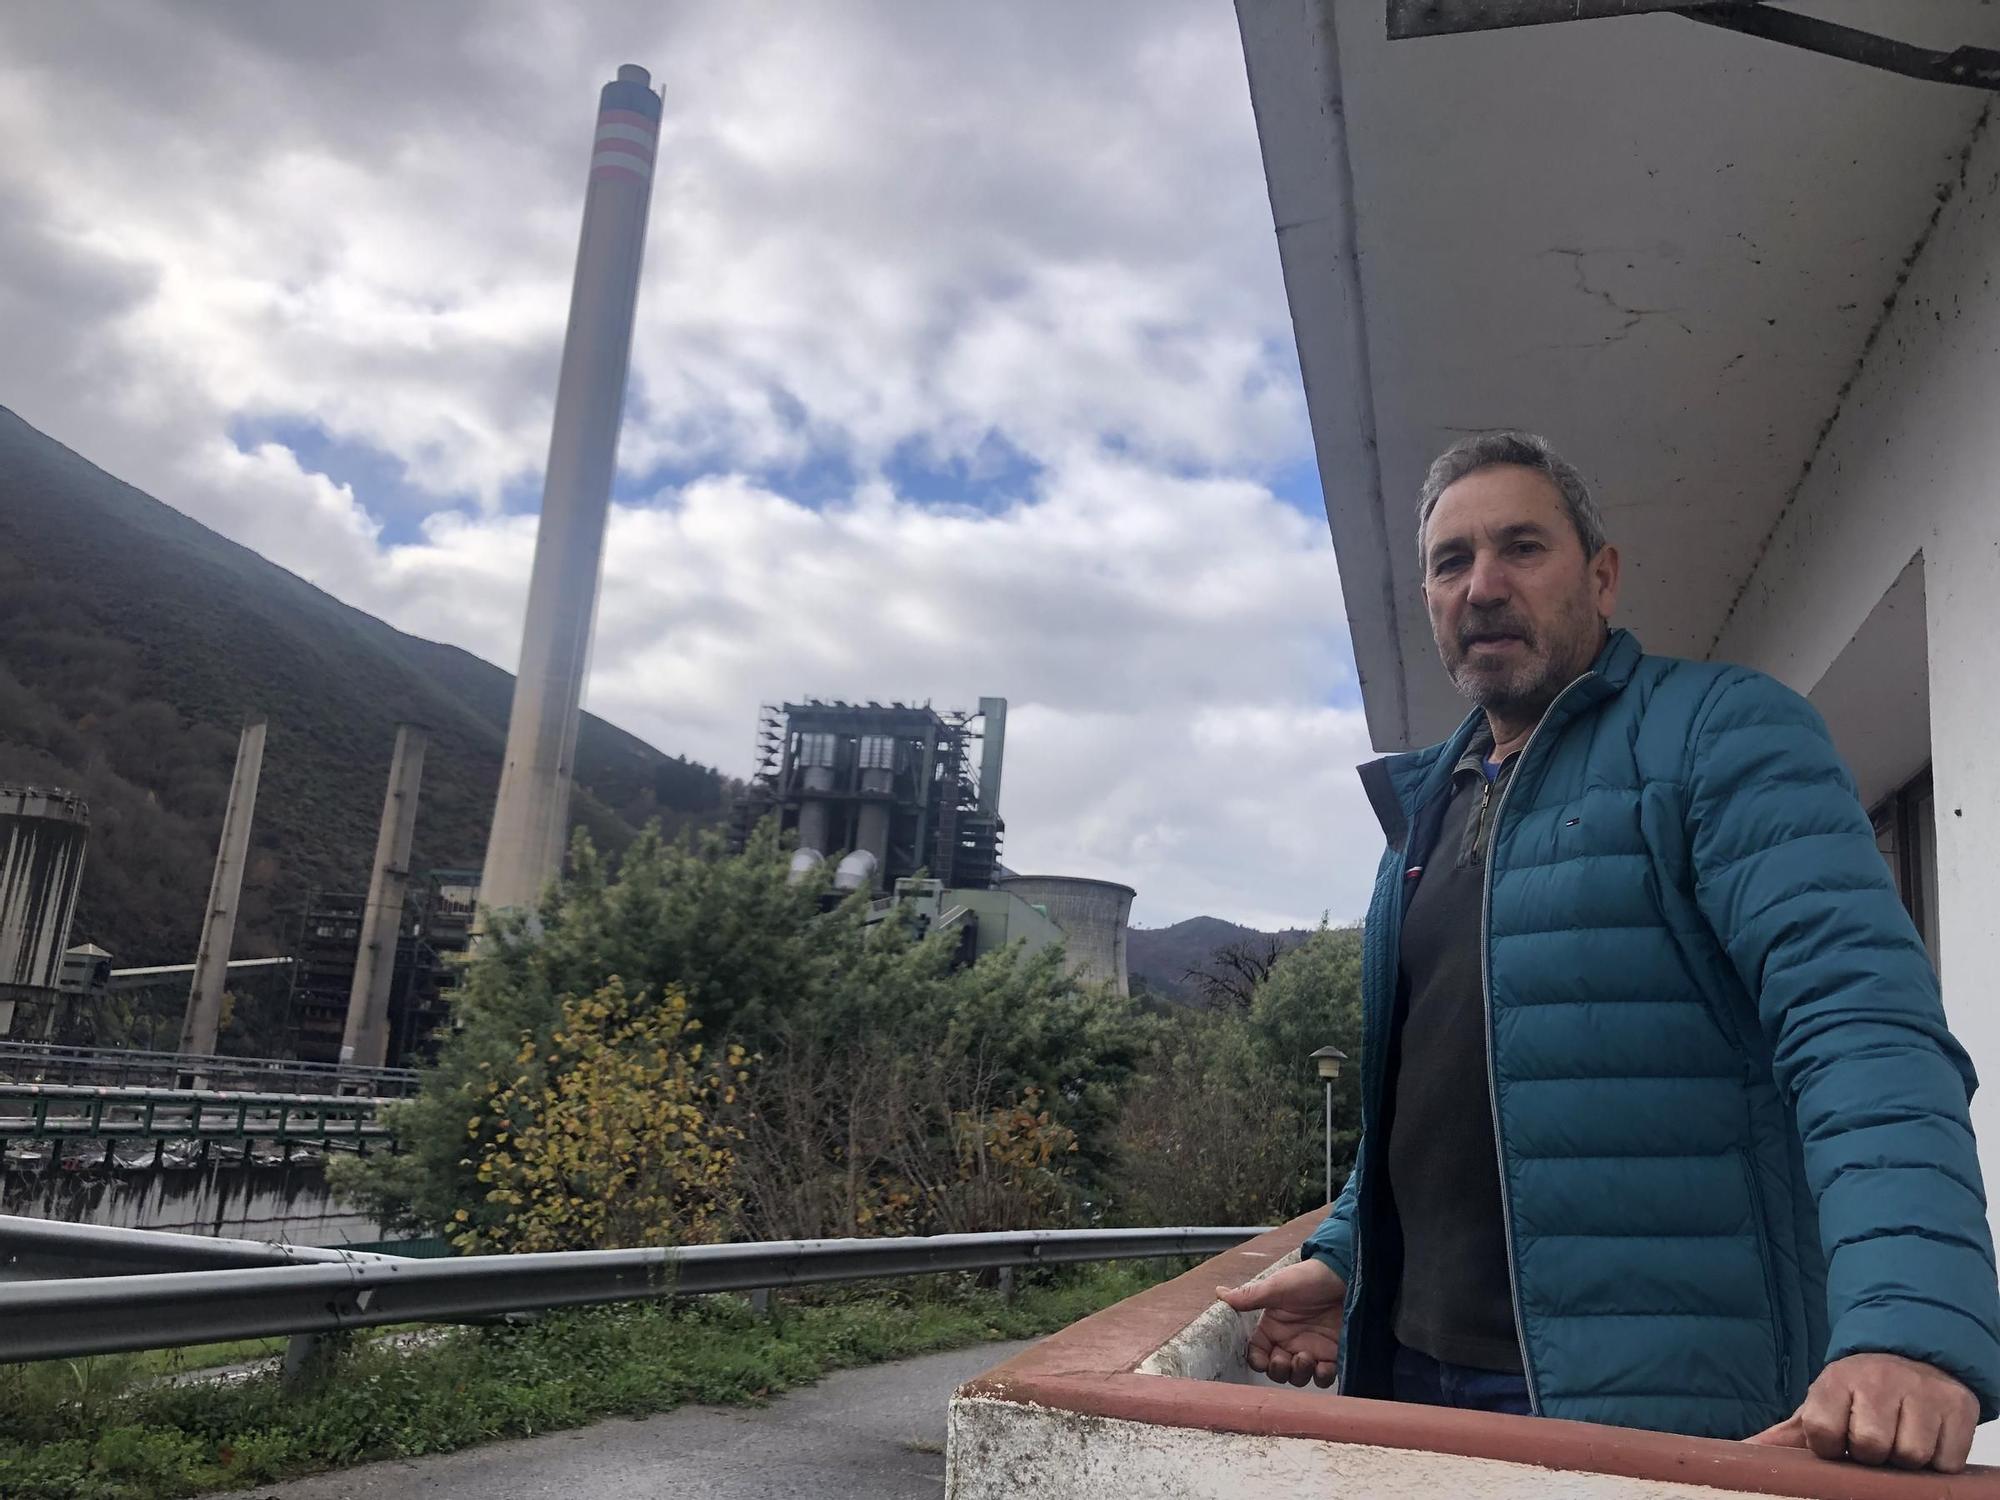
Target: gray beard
(1527, 690)
(1532, 685)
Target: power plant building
(42, 838)
(889, 798)
(882, 793)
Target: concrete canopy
(1663, 245)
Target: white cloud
(1031, 238)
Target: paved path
(873, 1434)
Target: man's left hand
(1883, 1409)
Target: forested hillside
(133, 641)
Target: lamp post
(1328, 1061)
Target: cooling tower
(1093, 915)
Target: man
(1661, 1124)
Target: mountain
(133, 641)
(1159, 958)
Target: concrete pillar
(218, 927)
(1961, 585)
(524, 850)
(366, 1041)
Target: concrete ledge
(1141, 1399)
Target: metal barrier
(40, 1249)
(58, 1111)
(45, 1062)
(105, 1314)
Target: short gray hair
(1487, 450)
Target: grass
(107, 1429)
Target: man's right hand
(1298, 1337)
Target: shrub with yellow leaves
(612, 1133)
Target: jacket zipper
(1479, 845)
(1763, 1236)
(1492, 1071)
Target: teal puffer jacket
(1733, 1131)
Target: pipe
(992, 751)
(856, 871)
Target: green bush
(875, 1057)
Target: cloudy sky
(962, 368)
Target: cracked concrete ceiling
(1663, 245)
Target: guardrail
(107, 1314)
(59, 1111)
(39, 1249)
(45, 1062)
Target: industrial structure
(982, 920)
(530, 831)
(889, 797)
(1094, 915)
(885, 793)
(42, 837)
(420, 947)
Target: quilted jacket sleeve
(1333, 1241)
(1788, 875)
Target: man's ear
(1604, 580)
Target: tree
(1230, 976)
(1312, 999)
(615, 1136)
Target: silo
(817, 754)
(42, 834)
(1094, 916)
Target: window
(1906, 833)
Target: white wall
(1911, 466)
(1001, 1450)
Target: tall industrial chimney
(218, 924)
(366, 1042)
(524, 850)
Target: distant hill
(132, 643)
(1159, 958)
